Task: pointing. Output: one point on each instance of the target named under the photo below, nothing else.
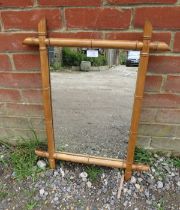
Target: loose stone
(41, 192)
(83, 175)
(178, 183)
(159, 185)
(133, 180)
(137, 186)
(41, 164)
(89, 184)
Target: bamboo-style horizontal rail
(96, 43)
(93, 160)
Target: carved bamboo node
(133, 133)
(139, 97)
(146, 37)
(42, 48)
(42, 34)
(144, 54)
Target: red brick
(148, 115)
(77, 35)
(177, 42)
(17, 3)
(70, 3)
(24, 110)
(9, 95)
(38, 123)
(153, 83)
(99, 18)
(2, 108)
(143, 142)
(161, 100)
(163, 37)
(157, 130)
(15, 122)
(168, 116)
(13, 42)
(160, 17)
(141, 1)
(27, 134)
(10, 135)
(26, 61)
(32, 96)
(172, 84)
(164, 64)
(28, 20)
(5, 64)
(4, 135)
(178, 131)
(166, 145)
(20, 80)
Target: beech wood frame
(145, 46)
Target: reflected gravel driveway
(92, 110)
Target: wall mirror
(92, 110)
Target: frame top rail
(97, 43)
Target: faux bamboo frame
(145, 46)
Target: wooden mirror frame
(145, 46)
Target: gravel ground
(69, 187)
(92, 110)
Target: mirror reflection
(92, 98)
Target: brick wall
(20, 83)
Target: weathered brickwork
(21, 104)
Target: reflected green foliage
(55, 66)
(122, 57)
(71, 57)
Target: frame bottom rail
(92, 160)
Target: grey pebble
(125, 203)
(104, 190)
(133, 180)
(178, 183)
(56, 173)
(148, 202)
(146, 193)
(56, 199)
(41, 192)
(160, 185)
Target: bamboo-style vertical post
(42, 32)
(138, 98)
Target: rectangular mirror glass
(92, 99)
